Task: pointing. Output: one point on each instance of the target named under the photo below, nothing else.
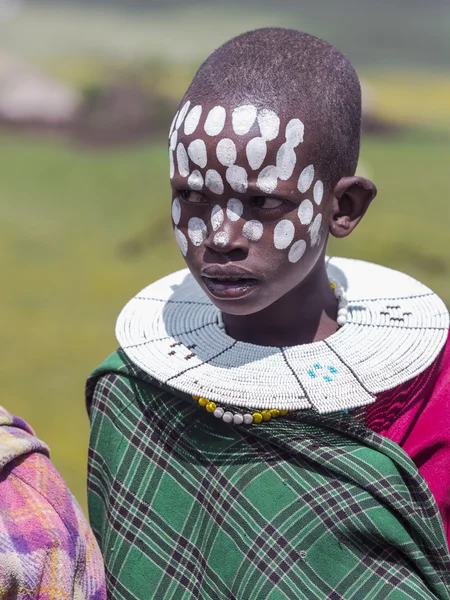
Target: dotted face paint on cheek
(318, 192)
(217, 217)
(182, 241)
(253, 230)
(283, 234)
(306, 212)
(197, 231)
(314, 230)
(297, 251)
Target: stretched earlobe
(352, 197)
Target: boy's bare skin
(275, 302)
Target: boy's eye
(266, 203)
(192, 197)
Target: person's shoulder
(43, 529)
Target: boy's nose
(224, 234)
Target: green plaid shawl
(303, 507)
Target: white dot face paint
(182, 160)
(306, 212)
(283, 234)
(253, 230)
(176, 211)
(256, 151)
(221, 238)
(226, 152)
(306, 178)
(286, 160)
(197, 153)
(294, 132)
(243, 118)
(213, 182)
(195, 181)
(171, 165)
(217, 217)
(318, 192)
(269, 124)
(182, 114)
(192, 120)
(173, 123)
(237, 178)
(215, 120)
(197, 231)
(235, 208)
(173, 140)
(297, 251)
(182, 241)
(314, 230)
(268, 179)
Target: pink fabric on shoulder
(416, 416)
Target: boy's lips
(228, 282)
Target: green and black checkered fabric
(303, 507)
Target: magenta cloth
(416, 415)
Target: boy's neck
(304, 315)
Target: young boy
(47, 549)
(250, 438)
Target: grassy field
(82, 231)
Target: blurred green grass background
(82, 230)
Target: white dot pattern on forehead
(182, 241)
(297, 251)
(197, 231)
(182, 160)
(235, 208)
(173, 140)
(237, 178)
(269, 124)
(256, 151)
(226, 152)
(306, 178)
(283, 234)
(286, 160)
(176, 211)
(182, 114)
(253, 230)
(221, 238)
(243, 118)
(294, 132)
(215, 121)
(195, 181)
(217, 217)
(314, 230)
(173, 123)
(197, 153)
(318, 192)
(171, 165)
(213, 182)
(306, 212)
(267, 180)
(192, 120)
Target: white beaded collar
(396, 327)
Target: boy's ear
(352, 196)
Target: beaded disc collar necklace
(392, 327)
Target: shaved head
(296, 75)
